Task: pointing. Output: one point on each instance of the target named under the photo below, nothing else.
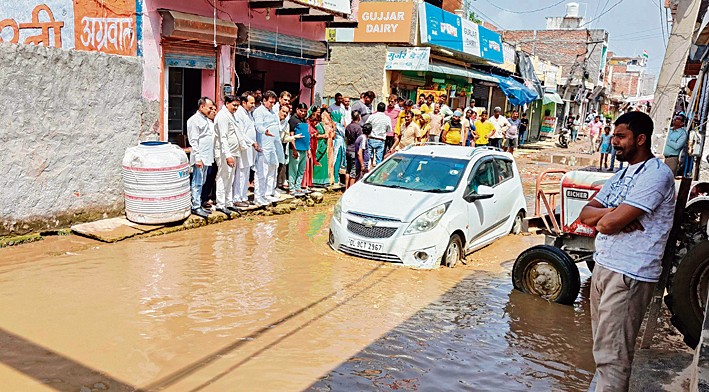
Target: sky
(632, 25)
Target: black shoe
(200, 212)
(233, 209)
(224, 211)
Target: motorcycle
(563, 140)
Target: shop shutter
(187, 54)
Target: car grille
(377, 217)
(370, 232)
(369, 255)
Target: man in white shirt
(227, 148)
(200, 136)
(633, 214)
(247, 132)
(501, 124)
(347, 110)
(381, 124)
(267, 130)
(445, 109)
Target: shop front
(195, 49)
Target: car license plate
(365, 245)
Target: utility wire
(601, 14)
(525, 12)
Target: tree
(474, 18)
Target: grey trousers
(673, 163)
(618, 305)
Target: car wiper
(437, 190)
(395, 186)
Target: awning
(517, 93)
(280, 47)
(447, 69)
(180, 25)
(552, 97)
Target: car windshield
(419, 173)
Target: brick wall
(563, 48)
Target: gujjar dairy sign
(385, 21)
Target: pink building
(193, 49)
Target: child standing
(605, 147)
(362, 162)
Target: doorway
(184, 91)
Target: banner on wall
(407, 59)
(548, 124)
(435, 93)
(103, 28)
(91, 25)
(385, 21)
(450, 31)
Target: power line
(525, 12)
(486, 17)
(601, 14)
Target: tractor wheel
(548, 272)
(687, 293)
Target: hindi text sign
(103, 28)
(407, 59)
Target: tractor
(550, 270)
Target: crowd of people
(261, 139)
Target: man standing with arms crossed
(633, 214)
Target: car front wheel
(454, 251)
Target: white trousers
(241, 184)
(264, 181)
(225, 184)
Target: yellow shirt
(454, 133)
(426, 109)
(483, 130)
(400, 122)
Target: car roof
(449, 151)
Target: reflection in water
(481, 335)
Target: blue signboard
(490, 45)
(447, 30)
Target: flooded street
(266, 305)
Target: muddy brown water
(266, 305)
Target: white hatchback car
(430, 205)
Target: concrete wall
(66, 121)
(354, 68)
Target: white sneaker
(262, 203)
(273, 199)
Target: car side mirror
(484, 192)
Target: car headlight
(337, 211)
(428, 220)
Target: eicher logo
(574, 194)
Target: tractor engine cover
(577, 189)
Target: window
(419, 173)
(484, 175)
(504, 169)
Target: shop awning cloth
(517, 93)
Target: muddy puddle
(568, 160)
(265, 305)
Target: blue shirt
(303, 143)
(676, 140)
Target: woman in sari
(322, 143)
(339, 149)
(313, 122)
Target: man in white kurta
(227, 150)
(247, 131)
(267, 135)
(200, 136)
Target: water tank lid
(152, 143)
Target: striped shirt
(381, 125)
